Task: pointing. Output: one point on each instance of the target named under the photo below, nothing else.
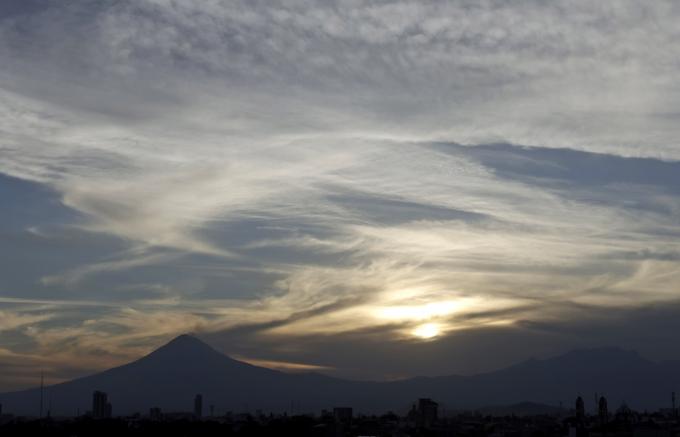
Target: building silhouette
(623, 414)
(580, 409)
(603, 411)
(342, 418)
(101, 407)
(155, 413)
(426, 414)
(198, 406)
(342, 415)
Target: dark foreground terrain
(622, 423)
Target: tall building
(624, 413)
(427, 412)
(198, 406)
(342, 414)
(155, 413)
(580, 409)
(602, 410)
(101, 407)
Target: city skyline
(372, 191)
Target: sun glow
(427, 330)
(426, 311)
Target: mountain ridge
(170, 376)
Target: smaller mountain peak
(594, 357)
(613, 352)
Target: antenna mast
(42, 388)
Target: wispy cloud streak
(304, 169)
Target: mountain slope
(172, 375)
(620, 375)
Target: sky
(369, 189)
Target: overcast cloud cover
(318, 185)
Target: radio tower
(674, 412)
(42, 387)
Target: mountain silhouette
(172, 375)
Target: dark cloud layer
(368, 353)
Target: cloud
(12, 320)
(272, 170)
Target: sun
(427, 330)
